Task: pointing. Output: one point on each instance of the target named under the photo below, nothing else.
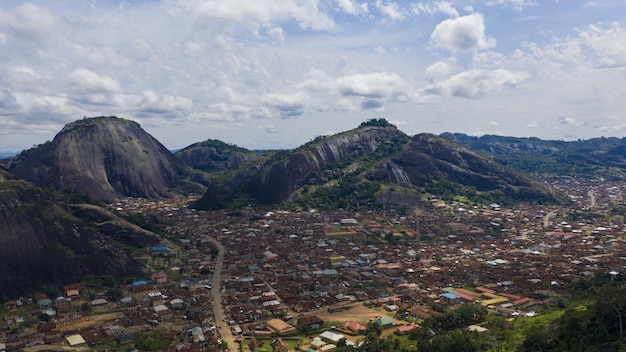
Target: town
(263, 280)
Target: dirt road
(218, 309)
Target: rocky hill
(44, 243)
(106, 158)
(596, 157)
(373, 165)
(213, 155)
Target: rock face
(276, 181)
(374, 164)
(430, 159)
(106, 158)
(275, 178)
(42, 243)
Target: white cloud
(534, 124)
(47, 105)
(352, 7)
(600, 45)
(566, 120)
(270, 129)
(476, 83)
(277, 35)
(443, 7)
(462, 34)
(390, 9)
(225, 65)
(30, 20)
(93, 82)
(437, 71)
(608, 44)
(307, 14)
(287, 105)
(371, 85)
(518, 5)
(612, 128)
(155, 103)
(193, 48)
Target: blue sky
(277, 73)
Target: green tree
(611, 305)
(114, 294)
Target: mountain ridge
(365, 166)
(596, 157)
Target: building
(160, 277)
(279, 326)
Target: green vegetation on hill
(599, 157)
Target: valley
(232, 274)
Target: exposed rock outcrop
(107, 158)
(354, 166)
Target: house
(279, 326)
(328, 348)
(279, 345)
(70, 319)
(126, 300)
(92, 337)
(63, 304)
(160, 277)
(124, 339)
(197, 335)
(391, 307)
(331, 337)
(177, 303)
(385, 322)
(72, 291)
(406, 328)
(44, 303)
(75, 340)
(142, 286)
(451, 298)
(98, 302)
(314, 322)
(317, 343)
(354, 327)
(348, 222)
(160, 308)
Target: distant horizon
(10, 153)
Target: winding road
(218, 308)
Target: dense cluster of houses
(281, 264)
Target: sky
(270, 74)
